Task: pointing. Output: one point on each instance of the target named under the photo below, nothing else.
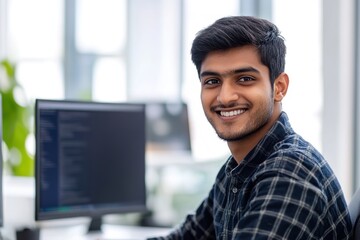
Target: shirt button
(234, 190)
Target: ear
(281, 84)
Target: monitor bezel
(84, 105)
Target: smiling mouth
(231, 113)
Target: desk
(19, 210)
(112, 232)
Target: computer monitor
(167, 127)
(90, 159)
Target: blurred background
(139, 50)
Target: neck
(240, 148)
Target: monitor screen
(90, 159)
(167, 127)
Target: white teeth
(231, 113)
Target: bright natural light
(109, 82)
(29, 35)
(303, 64)
(101, 26)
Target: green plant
(16, 116)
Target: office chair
(354, 209)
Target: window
(99, 49)
(72, 49)
(34, 42)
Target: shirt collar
(261, 151)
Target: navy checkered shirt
(283, 189)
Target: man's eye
(246, 79)
(211, 81)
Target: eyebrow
(231, 72)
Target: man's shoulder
(294, 149)
(296, 158)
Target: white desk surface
(19, 212)
(109, 232)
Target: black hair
(236, 31)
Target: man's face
(236, 93)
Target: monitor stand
(95, 224)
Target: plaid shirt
(283, 189)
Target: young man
(275, 185)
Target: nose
(227, 94)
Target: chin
(231, 138)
